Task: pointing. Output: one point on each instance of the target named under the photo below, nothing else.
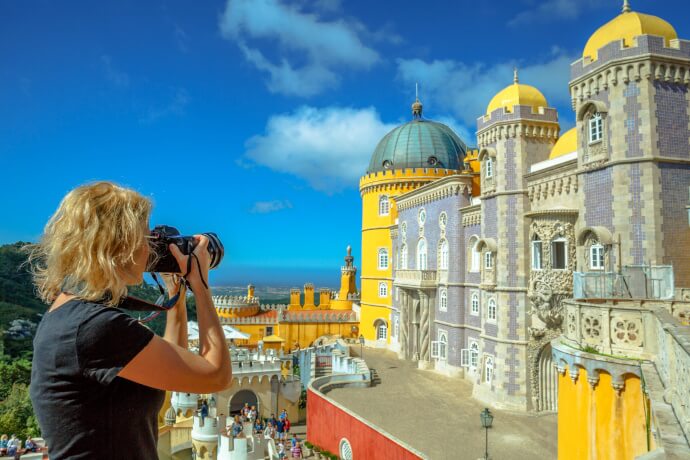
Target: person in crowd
(13, 446)
(253, 414)
(293, 440)
(281, 450)
(287, 426)
(269, 432)
(296, 451)
(3, 444)
(258, 426)
(237, 426)
(203, 411)
(280, 429)
(283, 414)
(30, 445)
(273, 419)
(92, 358)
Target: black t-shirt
(84, 409)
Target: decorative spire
(349, 259)
(417, 106)
(626, 6)
(515, 76)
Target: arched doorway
(240, 398)
(548, 381)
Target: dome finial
(626, 6)
(417, 106)
(515, 76)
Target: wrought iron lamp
(487, 419)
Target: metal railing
(632, 282)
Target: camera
(162, 260)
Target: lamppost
(487, 420)
(361, 346)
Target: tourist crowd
(274, 428)
(12, 446)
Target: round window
(387, 164)
(433, 161)
(345, 450)
(422, 216)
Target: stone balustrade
(415, 278)
(650, 337)
(319, 316)
(231, 300)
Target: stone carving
(572, 324)
(424, 327)
(626, 331)
(591, 327)
(542, 298)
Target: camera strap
(173, 300)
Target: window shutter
(465, 357)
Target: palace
(471, 258)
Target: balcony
(633, 282)
(415, 278)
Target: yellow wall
(376, 235)
(306, 333)
(599, 423)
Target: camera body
(162, 260)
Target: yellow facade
(600, 422)
(376, 236)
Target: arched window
(474, 354)
(489, 369)
(474, 308)
(491, 310)
(383, 259)
(596, 257)
(403, 257)
(489, 165)
(383, 289)
(473, 255)
(443, 255)
(442, 345)
(596, 128)
(443, 300)
(381, 330)
(489, 260)
(536, 253)
(421, 254)
(384, 206)
(559, 254)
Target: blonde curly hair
(89, 243)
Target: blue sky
(254, 119)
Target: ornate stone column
(424, 326)
(404, 324)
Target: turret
(309, 297)
(205, 437)
(250, 291)
(295, 303)
(324, 299)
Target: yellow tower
(408, 157)
(250, 291)
(348, 287)
(324, 299)
(295, 303)
(309, 297)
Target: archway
(548, 381)
(240, 398)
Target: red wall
(327, 424)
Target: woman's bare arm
(167, 366)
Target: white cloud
(464, 90)
(114, 75)
(265, 207)
(176, 106)
(550, 10)
(329, 148)
(312, 51)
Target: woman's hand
(196, 279)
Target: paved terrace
(437, 415)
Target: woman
(98, 376)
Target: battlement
(642, 46)
(395, 175)
(234, 301)
(518, 113)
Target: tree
(17, 415)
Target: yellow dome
(517, 94)
(624, 27)
(567, 143)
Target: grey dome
(419, 144)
